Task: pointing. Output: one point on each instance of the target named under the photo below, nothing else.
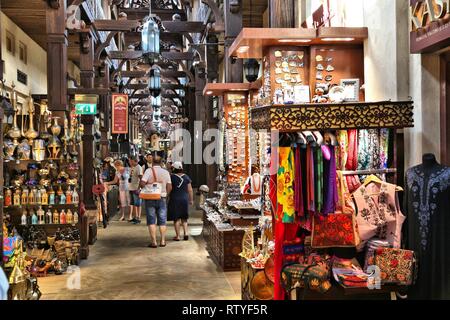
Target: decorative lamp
(251, 70)
(150, 41)
(154, 83)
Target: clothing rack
(366, 172)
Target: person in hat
(180, 198)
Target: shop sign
(86, 104)
(119, 114)
(430, 25)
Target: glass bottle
(23, 219)
(75, 217)
(32, 196)
(48, 217)
(55, 217)
(62, 198)
(59, 193)
(62, 217)
(75, 198)
(38, 196)
(41, 215)
(34, 218)
(8, 198)
(16, 199)
(24, 196)
(51, 196)
(44, 197)
(29, 219)
(69, 217)
(69, 196)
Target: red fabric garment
(310, 180)
(352, 160)
(283, 232)
(298, 193)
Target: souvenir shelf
(320, 116)
(40, 166)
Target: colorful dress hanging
(310, 182)
(330, 194)
(319, 179)
(298, 188)
(285, 186)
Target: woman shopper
(136, 173)
(180, 198)
(121, 178)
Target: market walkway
(120, 266)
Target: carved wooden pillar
(104, 109)
(87, 81)
(56, 55)
(233, 25)
(282, 13)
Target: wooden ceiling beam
(141, 13)
(178, 55)
(136, 86)
(125, 55)
(116, 25)
(184, 26)
(173, 74)
(133, 73)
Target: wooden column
(200, 115)
(233, 25)
(87, 81)
(282, 13)
(56, 56)
(104, 103)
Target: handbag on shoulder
(153, 190)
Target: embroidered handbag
(312, 276)
(397, 266)
(151, 191)
(334, 230)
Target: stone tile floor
(120, 266)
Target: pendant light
(150, 39)
(154, 83)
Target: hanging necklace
(256, 189)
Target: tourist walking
(136, 173)
(121, 178)
(158, 180)
(180, 198)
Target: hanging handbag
(153, 190)
(334, 230)
(397, 266)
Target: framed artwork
(302, 94)
(351, 89)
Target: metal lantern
(154, 83)
(156, 102)
(150, 41)
(251, 70)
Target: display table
(224, 246)
(338, 292)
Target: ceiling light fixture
(243, 49)
(338, 39)
(295, 40)
(209, 92)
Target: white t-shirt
(162, 176)
(135, 172)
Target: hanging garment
(310, 182)
(285, 186)
(427, 201)
(379, 213)
(346, 204)
(384, 148)
(330, 193)
(342, 154)
(318, 173)
(353, 182)
(298, 188)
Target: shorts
(134, 199)
(156, 211)
(124, 197)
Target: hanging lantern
(251, 70)
(154, 83)
(156, 102)
(150, 41)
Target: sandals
(186, 238)
(122, 219)
(152, 245)
(176, 239)
(162, 245)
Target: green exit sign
(85, 108)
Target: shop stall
(332, 188)
(42, 221)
